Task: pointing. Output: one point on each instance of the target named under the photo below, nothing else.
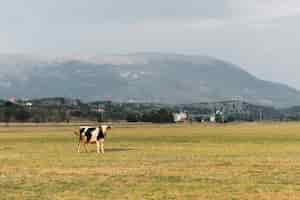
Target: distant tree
(22, 115)
(219, 118)
(154, 117)
(146, 117)
(68, 116)
(8, 112)
(165, 116)
(199, 119)
(100, 117)
(229, 118)
(7, 115)
(207, 119)
(76, 113)
(133, 117)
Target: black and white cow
(91, 135)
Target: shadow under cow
(118, 149)
(107, 150)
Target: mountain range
(139, 77)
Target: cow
(91, 135)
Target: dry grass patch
(239, 161)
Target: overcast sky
(262, 36)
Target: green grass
(239, 161)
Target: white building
(180, 117)
(212, 119)
(28, 104)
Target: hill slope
(168, 78)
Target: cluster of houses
(183, 117)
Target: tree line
(67, 110)
(10, 112)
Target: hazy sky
(263, 36)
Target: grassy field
(239, 161)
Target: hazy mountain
(168, 78)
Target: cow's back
(90, 134)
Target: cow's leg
(86, 148)
(98, 147)
(102, 145)
(78, 149)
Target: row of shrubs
(10, 112)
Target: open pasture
(238, 161)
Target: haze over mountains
(150, 77)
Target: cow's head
(105, 129)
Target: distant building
(212, 119)
(28, 104)
(100, 110)
(12, 100)
(180, 117)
